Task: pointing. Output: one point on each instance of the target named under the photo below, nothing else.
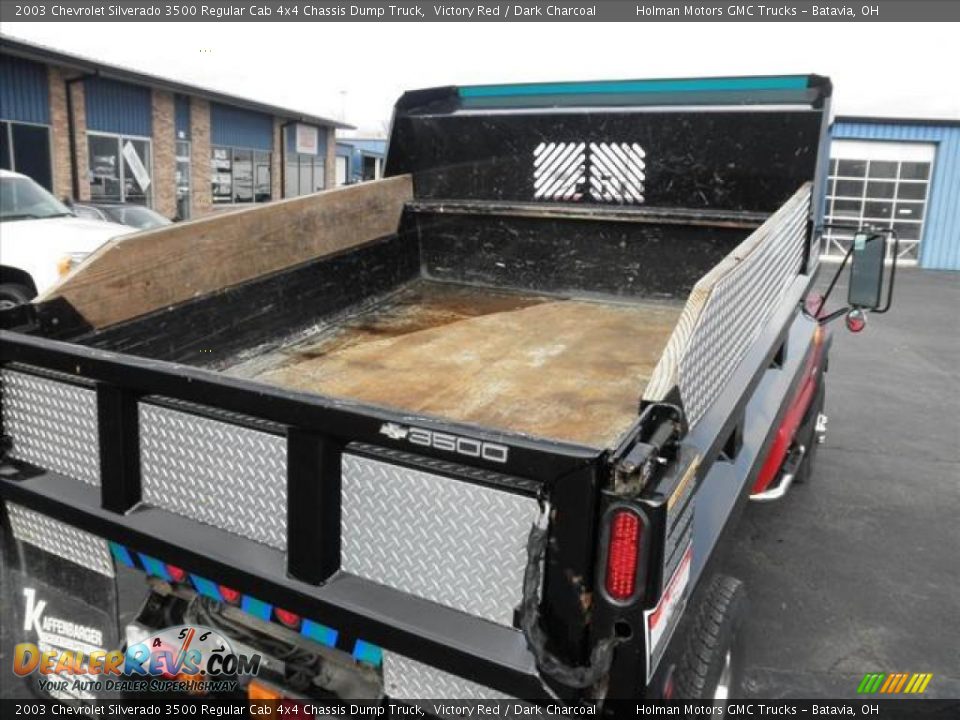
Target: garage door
(878, 184)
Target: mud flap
(53, 604)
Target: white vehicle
(41, 239)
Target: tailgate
(401, 544)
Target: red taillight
(176, 574)
(288, 618)
(622, 554)
(230, 595)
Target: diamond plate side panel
(406, 679)
(215, 472)
(52, 424)
(738, 308)
(449, 541)
(60, 539)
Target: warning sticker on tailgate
(660, 621)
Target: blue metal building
(360, 159)
(900, 173)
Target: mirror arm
(893, 271)
(833, 282)
(834, 315)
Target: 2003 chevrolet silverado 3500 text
(478, 429)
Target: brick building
(90, 131)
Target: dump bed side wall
(213, 329)
(576, 256)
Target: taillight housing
(624, 546)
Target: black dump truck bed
(414, 411)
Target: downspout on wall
(283, 156)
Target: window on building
(304, 158)
(304, 174)
(343, 169)
(119, 168)
(371, 168)
(878, 184)
(239, 175)
(261, 174)
(183, 178)
(243, 176)
(25, 148)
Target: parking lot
(857, 571)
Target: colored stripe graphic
(635, 86)
(871, 682)
(121, 555)
(894, 683)
(154, 567)
(919, 683)
(321, 633)
(362, 651)
(365, 652)
(891, 680)
(206, 587)
(257, 608)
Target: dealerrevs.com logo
(179, 658)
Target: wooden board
(569, 370)
(148, 271)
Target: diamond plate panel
(60, 539)
(450, 541)
(215, 472)
(406, 679)
(738, 308)
(53, 424)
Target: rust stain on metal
(569, 370)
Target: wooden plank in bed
(131, 276)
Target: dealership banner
(473, 11)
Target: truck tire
(13, 294)
(808, 433)
(711, 667)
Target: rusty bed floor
(564, 369)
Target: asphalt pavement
(859, 570)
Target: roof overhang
(86, 66)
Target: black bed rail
(541, 460)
